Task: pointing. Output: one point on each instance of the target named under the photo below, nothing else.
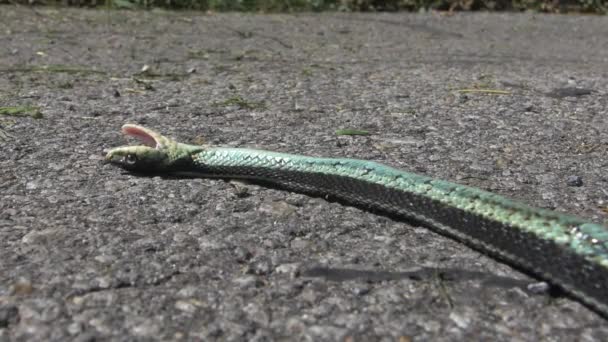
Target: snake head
(157, 154)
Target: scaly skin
(564, 250)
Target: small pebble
(186, 306)
(291, 268)
(22, 287)
(260, 267)
(361, 290)
(75, 328)
(538, 288)
(299, 243)
(241, 254)
(247, 282)
(574, 181)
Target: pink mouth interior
(140, 134)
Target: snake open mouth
(142, 134)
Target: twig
(487, 91)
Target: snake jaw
(147, 136)
(151, 156)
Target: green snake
(568, 252)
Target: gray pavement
(90, 253)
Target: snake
(568, 252)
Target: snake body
(564, 250)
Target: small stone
(147, 328)
(361, 290)
(295, 326)
(260, 267)
(57, 166)
(247, 282)
(102, 282)
(309, 295)
(269, 243)
(278, 208)
(173, 103)
(40, 236)
(188, 291)
(434, 158)
(180, 237)
(22, 287)
(257, 314)
(460, 319)
(539, 288)
(75, 328)
(298, 243)
(241, 254)
(291, 269)
(78, 300)
(574, 181)
(185, 306)
(104, 259)
(11, 212)
(241, 189)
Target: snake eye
(131, 159)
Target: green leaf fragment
(34, 112)
(486, 91)
(123, 4)
(351, 132)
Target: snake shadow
(417, 274)
(337, 274)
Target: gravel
(88, 252)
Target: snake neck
(180, 157)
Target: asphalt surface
(91, 253)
